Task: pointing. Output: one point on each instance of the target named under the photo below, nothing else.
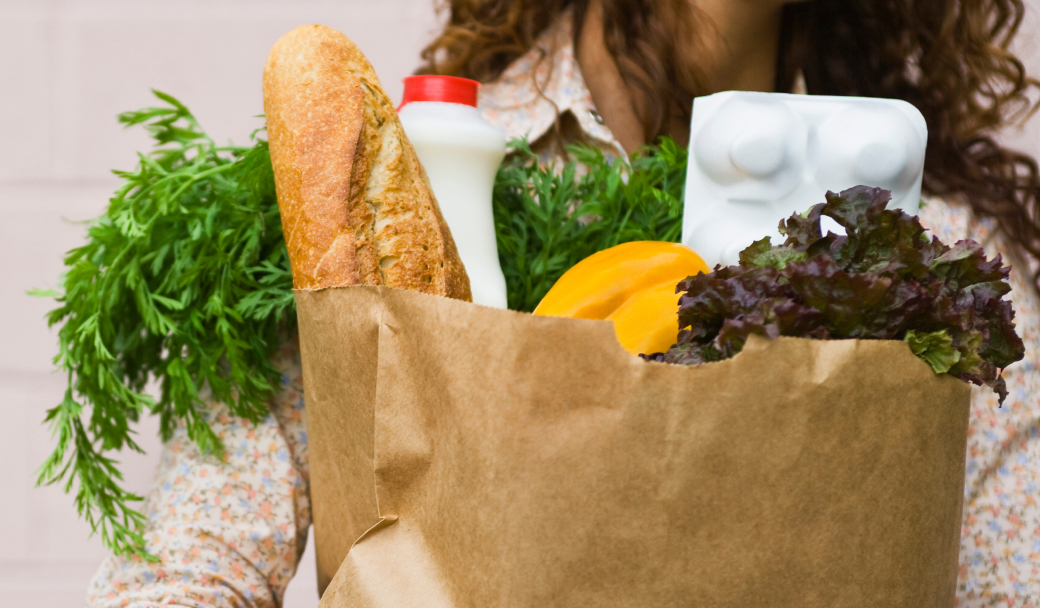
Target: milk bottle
(461, 153)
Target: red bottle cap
(449, 89)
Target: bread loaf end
(356, 205)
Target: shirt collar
(542, 84)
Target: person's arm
(999, 547)
(228, 534)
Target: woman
(618, 74)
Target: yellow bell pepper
(633, 285)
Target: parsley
(185, 281)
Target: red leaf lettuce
(885, 279)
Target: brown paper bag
(467, 456)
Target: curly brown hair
(950, 58)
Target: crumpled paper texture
(464, 456)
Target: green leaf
(168, 302)
(936, 348)
(762, 254)
(44, 293)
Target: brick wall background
(67, 67)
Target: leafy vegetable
(547, 219)
(935, 348)
(885, 279)
(184, 280)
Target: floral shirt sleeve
(1000, 536)
(227, 534)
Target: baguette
(356, 205)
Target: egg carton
(757, 158)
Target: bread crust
(356, 205)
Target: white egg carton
(757, 158)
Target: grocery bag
(464, 456)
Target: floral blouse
(230, 534)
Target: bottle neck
(439, 110)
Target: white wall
(67, 67)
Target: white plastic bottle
(461, 153)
